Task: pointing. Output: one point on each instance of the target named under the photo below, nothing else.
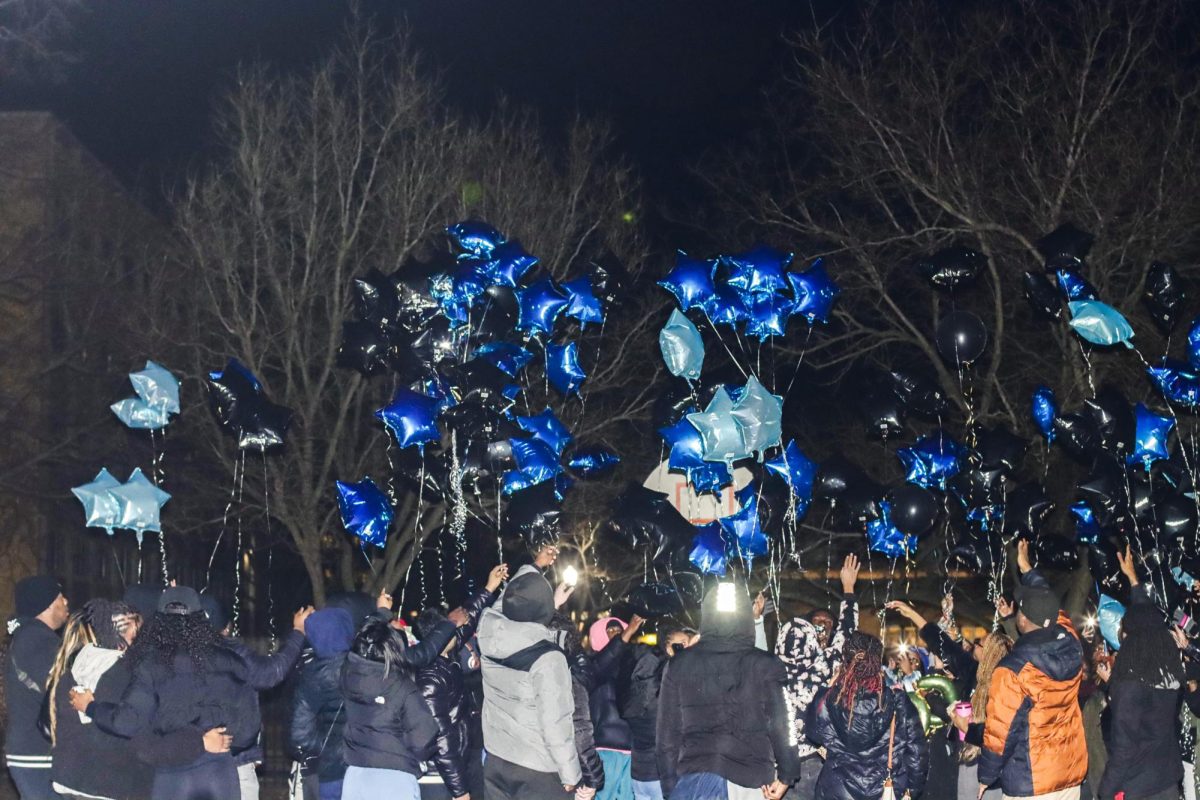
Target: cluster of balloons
(133, 505)
(462, 338)
(157, 399)
(240, 407)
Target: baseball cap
(179, 600)
(1039, 604)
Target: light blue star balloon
(138, 503)
(366, 512)
(759, 417)
(562, 367)
(99, 506)
(136, 414)
(719, 433)
(546, 427)
(682, 347)
(1099, 323)
(1109, 614)
(708, 550)
(157, 387)
(1150, 438)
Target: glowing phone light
(726, 597)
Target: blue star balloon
(745, 532)
(760, 270)
(1044, 407)
(720, 435)
(538, 306)
(508, 357)
(562, 367)
(581, 301)
(476, 237)
(725, 307)
(138, 503)
(99, 506)
(536, 462)
(686, 447)
(1177, 382)
(135, 413)
(932, 461)
(411, 417)
(509, 263)
(767, 315)
(1150, 438)
(682, 347)
(690, 280)
(157, 387)
(884, 537)
(1109, 614)
(591, 462)
(708, 550)
(1193, 344)
(470, 280)
(366, 512)
(1074, 286)
(1087, 529)
(439, 389)
(1099, 323)
(814, 293)
(711, 476)
(546, 427)
(759, 417)
(796, 468)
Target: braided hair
(861, 670)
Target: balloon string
(799, 361)
(1087, 361)
(238, 463)
(237, 559)
(721, 339)
(120, 570)
(417, 542)
(270, 553)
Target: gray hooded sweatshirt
(527, 713)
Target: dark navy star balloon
(476, 237)
(1193, 344)
(536, 462)
(690, 280)
(506, 356)
(1044, 410)
(760, 270)
(686, 447)
(1074, 286)
(366, 512)
(593, 461)
(562, 367)
(725, 307)
(538, 306)
(713, 476)
(814, 293)
(1178, 383)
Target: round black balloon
(883, 414)
(1102, 561)
(1045, 300)
(645, 518)
(961, 337)
(1164, 296)
(913, 509)
(834, 476)
(671, 404)
(858, 505)
(976, 553)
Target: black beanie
(529, 598)
(35, 594)
(215, 612)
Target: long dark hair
(861, 670)
(168, 635)
(378, 641)
(1148, 654)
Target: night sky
(675, 78)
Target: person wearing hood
(810, 654)
(388, 730)
(318, 709)
(722, 719)
(871, 732)
(612, 654)
(185, 681)
(41, 611)
(528, 702)
(1033, 738)
(585, 742)
(1145, 692)
(442, 687)
(262, 673)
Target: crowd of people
(504, 698)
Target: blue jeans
(331, 790)
(647, 790)
(370, 783)
(617, 783)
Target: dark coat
(607, 670)
(721, 706)
(639, 708)
(585, 741)
(89, 760)
(319, 717)
(1143, 744)
(263, 673)
(958, 661)
(856, 761)
(387, 723)
(31, 654)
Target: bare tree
(358, 165)
(35, 41)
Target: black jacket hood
(727, 630)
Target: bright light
(1090, 622)
(726, 597)
(570, 576)
(903, 648)
(649, 639)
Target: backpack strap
(523, 660)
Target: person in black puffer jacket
(585, 742)
(1144, 695)
(609, 670)
(862, 724)
(389, 730)
(318, 710)
(722, 719)
(442, 687)
(184, 679)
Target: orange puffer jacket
(1033, 738)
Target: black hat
(529, 598)
(143, 597)
(179, 600)
(1039, 605)
(214, 611)
(35, 594)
